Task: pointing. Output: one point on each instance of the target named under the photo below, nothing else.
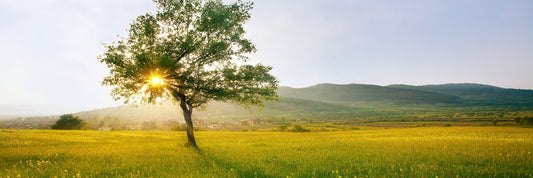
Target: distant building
(255, 121)
(243, 123)
(250, 122)
(213, 126)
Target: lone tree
(68, 122)
(187, 52)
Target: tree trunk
(187, 115)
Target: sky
(49, 48)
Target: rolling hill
(216, 110)
(331, 101)
(478, 94)
(336, 98)
(360, 94)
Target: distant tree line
(524, 120)
(68, 122)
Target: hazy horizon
(10, 111)
(49, 48)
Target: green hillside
(332, 101)
(360, 94)
(217, 110)
(478, 93)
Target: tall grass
(425, 152)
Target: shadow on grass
(231, 169)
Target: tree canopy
(187, 51)
(68, 122)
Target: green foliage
(517, 120)
(417, 125)
(191, 47)
(446, 125)
(495, 122)
(299, 128)
(68, 122)
(282, 127)
(524, 120)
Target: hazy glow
(306, 41)
(156, 81)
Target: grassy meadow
(412, 152)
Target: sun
(156, 80)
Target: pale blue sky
(48, 48)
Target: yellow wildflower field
(413, 152)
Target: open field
(424, 151)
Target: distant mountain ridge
(478, 93)
(361, 93)
(453, 93)
(337, 98)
